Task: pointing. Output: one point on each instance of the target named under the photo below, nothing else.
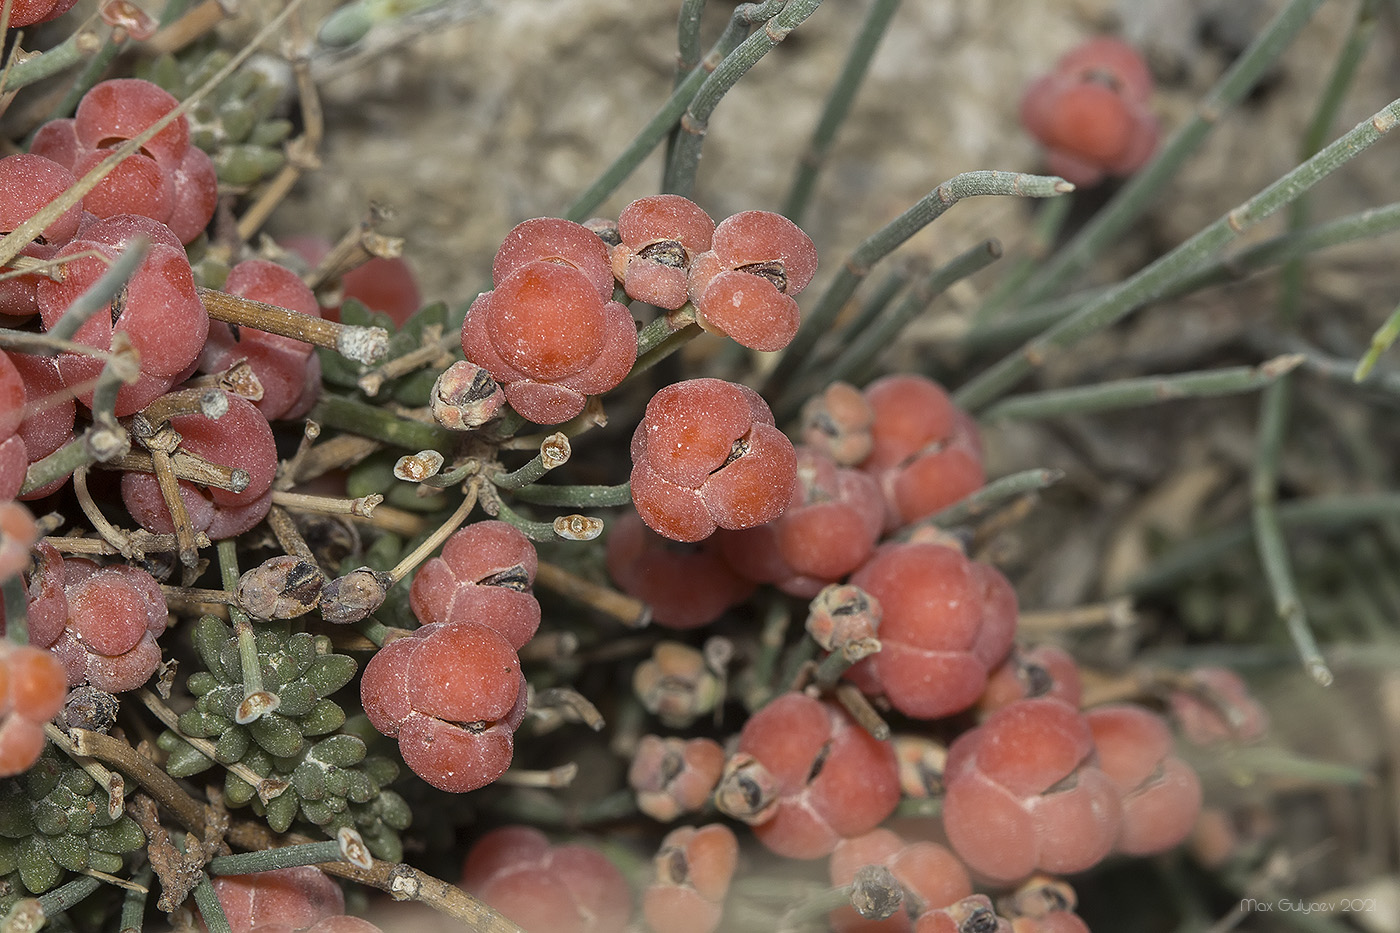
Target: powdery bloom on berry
(1092, 112)
(743, 286)
(545, 334)
(659, 238)
(706, 455)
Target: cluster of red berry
(32, 689)
(452, 692)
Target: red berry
(1091, 112)
(298, 897)
(693, 870)
(1161, 795)
(743, 286)
(547, 889)
(1042, 671)
(931, 876)
(484, 575)
(832, 778)
(706, 455)
(685, 586)
(453, 695)
(660, 237)
(29, 12)
(558, 241)
(548, 338)
(946, 621)
(18, 532)
(121, 108)
(114, 616)
(673, 776)
(28, 183)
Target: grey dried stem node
(876, 894)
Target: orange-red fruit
(706, 455)
(925, 453)
(1028, 673)
(549, 338)
(544, 888)
(297, 897)
(483, 575)
(946, 621)
(833, 779)
(453, 695)
(1023, 794)
(660, 236)
(1161, 794)
(685, 586)
(972, 914)
(1216, 707)
(931, 876)
(672, 776)
(693, 871)
(1091, 112)
(743, 286)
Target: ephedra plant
(319, 597)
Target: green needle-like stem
(16, 602)
(103, 291)
(576, 497)
(68, 895)
(294, 856)
(134, 902)
(1049, 220)
(1145, 390)
(210, 910)
(852, 365)
(990, 496)
(885, 240)
(1380, 342)
(1152, 281)
(838, 105)
(1116, 217)
(685, 157)
(660, 125)
(372, 421)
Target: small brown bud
(466, 397)
(354, 596)
(673, 776)
(414, 468)
(921, 764)
(747, 791)
(281, 587)
(842, 615)
(676, 684)
(838, 422)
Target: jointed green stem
(210, 910)
(838, 105)
(685, 158)
(372, 421)
(688, 38)
(1265, 254)
(68, 895)
(1135, 196)
(134, 903)
(1146, 390)
(576, 497)
(660, 125)
(1380, 342)
(853, 364)
(884, 241)
(294, 856)
(1046, 229)
(1155, 279)
(992, 495)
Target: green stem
(1325, 512)
(838, 105)
(1155, 279)
(853, 363)
(685, 158)
(885, 240)
(16, 610)
(242, 625)
(1114, 219)
(356, 417)
(524, 476)
(576, 497)
(658, 127)
(134, 901)
(1268, 535)
(295, 856)
(990, 496)
(1147, 390)
(210, 910)
(68, 895)
(535, 531)
(1049, 220)
(79, 45)
(688, 39)
(670, 343)
(96, 67)
(1380, 342)
(1266, 254)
